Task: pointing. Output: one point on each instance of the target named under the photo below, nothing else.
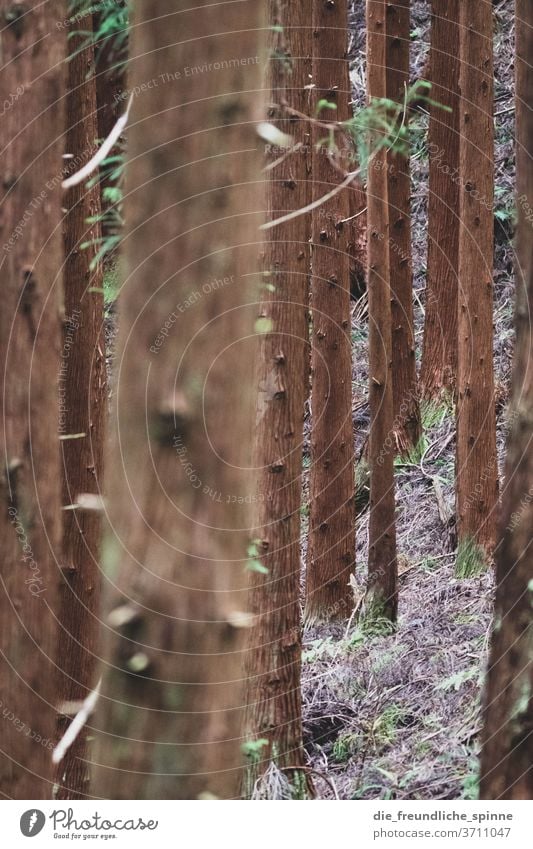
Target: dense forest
(267, 400)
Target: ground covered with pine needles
(397, 715)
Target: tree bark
(274, 656)
(83, 399)
(406, 410)
(175, 553)
(438, 370)
(477, 466)
(33, 52)
(382, 562)
(331, 551)
(506, 758)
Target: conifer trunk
(506, 762)
(331, 551)
(33, 52)
(83, 400)
(174, 555)
(274, 657)
(438, 369)
(477, 466)
(382, 563)
(406, 410)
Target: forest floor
(397, 715)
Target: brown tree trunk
(506, 759)
(175, 552)
(31, 257)
(382, 563)
(82, 392)
(477, 466)
(439, 355)
(331, 551)
(274, 656)
(406, 410)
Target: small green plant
(433, 414)
(471, 559)
(345, 746)
(370, 626)
(111, 31)
(382, 124)
(429, 564)
(456, 681)
(470, 788)
(385, 726)
(414, 455)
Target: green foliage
(470, 788)
(505, 208)
(345, 746)
(414, 455)
(383, 124)
(433, 414)
(370, 626)
(471, 559)
(456, 681)
(385, 793)
(385, 726)
(111, 220)
(111, 31)
(429, 564)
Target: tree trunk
(406, 410)
(83, 399)
(382, 563)
(30, 533)
(439, 356)
(331, 552)
(506, 759)
(477, 466)
(274, 656)
(175, 552)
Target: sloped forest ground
(398, 715)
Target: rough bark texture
(331, 549)
(439, 356)
(274, 657)
(175, 552)
(83, 399)
(507, 754)
(358, 237)
(406, 409)
(382, 563)
(477, 467)
(31, 74)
